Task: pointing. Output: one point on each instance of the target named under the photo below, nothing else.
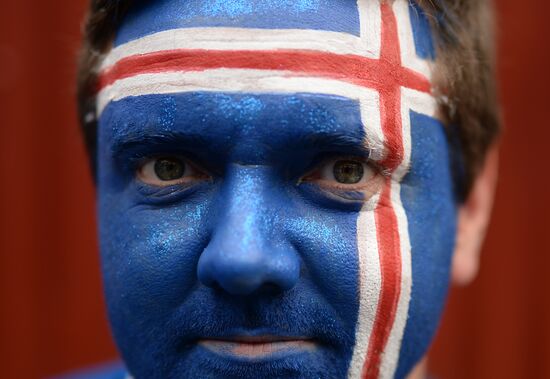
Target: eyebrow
(334, 141)
(124, 142)
(140, 143)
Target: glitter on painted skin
(239, 8)
(252, 208)
(152, 241)
(285, 220)
(236, 8)
(337, 15)
(168, 117)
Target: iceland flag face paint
(275, 194)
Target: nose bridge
(247, 252)
(244, 216)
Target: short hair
(464, 78)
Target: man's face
(275, 194)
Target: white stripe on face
(225, 39)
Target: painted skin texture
(252, 267)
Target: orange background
(51, 312)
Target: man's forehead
(380, 60)
(255, 129)
(155, 16)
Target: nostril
(205, 271)
(215, 286)
(270, 289)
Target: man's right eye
(169, 170)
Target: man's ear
(473, 219)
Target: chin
(203, 362)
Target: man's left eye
(169, 170)
(347, 174)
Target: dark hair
(464, 79)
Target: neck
(420, 371)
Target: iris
(169, 168)
(348, 172)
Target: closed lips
(256, 347)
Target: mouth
(257, 347)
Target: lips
(254, 347)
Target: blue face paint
(249, 253)
(255, 250)
(428, 197)
(422, 33)
(151, 17)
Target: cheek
(327, 243)
(149, 256)
(429, 203)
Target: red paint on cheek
(390, 266)
(386, 219)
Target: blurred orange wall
(500, 326)
(51, 312)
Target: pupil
(169, 169)
(348, 172)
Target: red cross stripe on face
(384, 74)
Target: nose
(247, 252)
